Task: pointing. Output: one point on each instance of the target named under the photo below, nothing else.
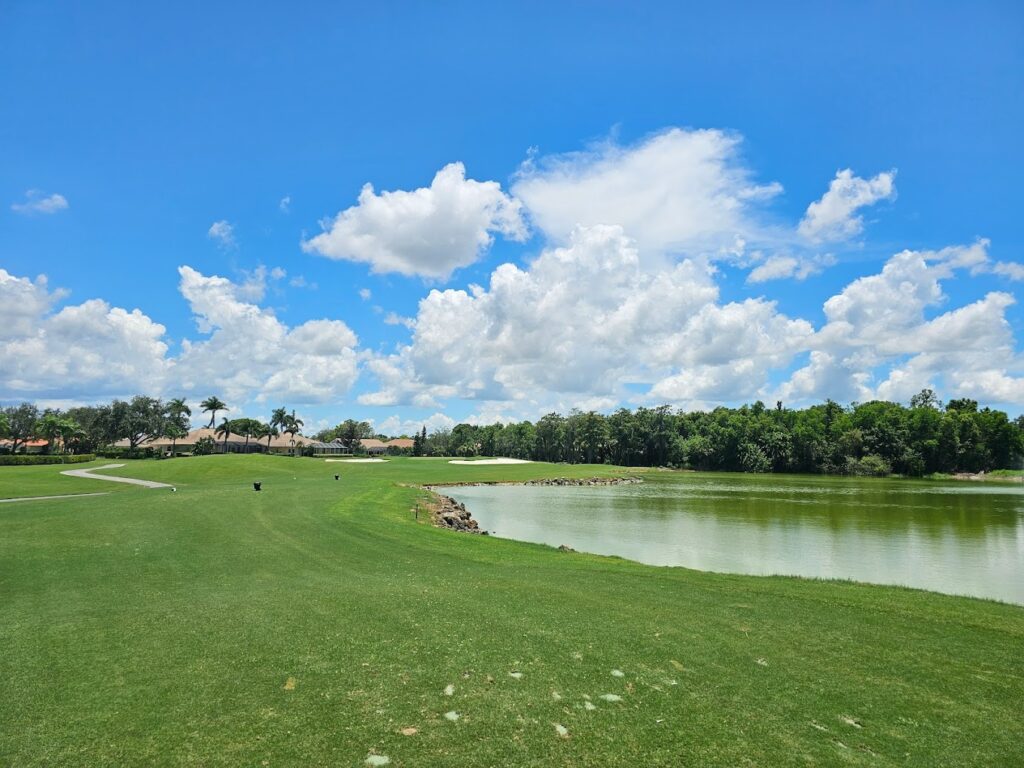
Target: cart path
(63, 496)
(112, 478)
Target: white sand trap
(561, 730)
(516, 675)
(613, 697)
(449, 690)
(589, 706)
(359, 461)
(453, 715)
(618, 673)
(378, 760)
(491, 461)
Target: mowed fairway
(311, 623)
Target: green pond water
(956, 537)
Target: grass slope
(310, 623)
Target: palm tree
(174, 431)
(279, 419)
(178, 412)
(292, 425)
(178, 407)
(49, 427)
(212, 404)
(247, 427)
(268, 431)
(225, 429)
(260, 430)
(71, 432)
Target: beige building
(373, 446)
(231, 443)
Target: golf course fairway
(319, 623)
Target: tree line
(89, 428)
(874, 438)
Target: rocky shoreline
(446, 512)
(574, 481)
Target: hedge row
(36, 458)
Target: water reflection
(954, 538)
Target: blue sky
(151, 125)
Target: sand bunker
(491, 461)
(359, 461)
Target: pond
(955, 537)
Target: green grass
(47, 480)
(996, 475)
(158, 628)
(1010, 473)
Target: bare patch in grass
(449, 690)
(561, 730)
(453, 715)
(377, 760)
(612, 697)
(851, 721)
(409, 731)
(289, 684)
(618, 673)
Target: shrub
(869, 466)
(754, 459)
(22, 459)
(128, 453)
(204, 446)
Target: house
(376, 447)
(286, 444)
(373, 446)
(334, 448)
(25, 446)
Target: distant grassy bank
(310, 623)
(996, 475)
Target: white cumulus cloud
(679, 191)
(395, 424)
(94, 350)
(39, 202)
(576, 324)
(879, 341)
(90, 349)
(780, 267)
(834, 216)
(249, 353)
(222, 233)
(430, 231)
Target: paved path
(112, 478)
(44, 498)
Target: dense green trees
(350, 432)
(875, 438)
(87, 429)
